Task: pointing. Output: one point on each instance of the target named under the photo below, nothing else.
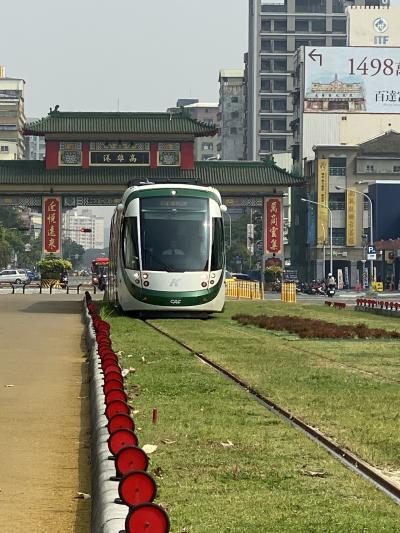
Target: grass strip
(358, 411)
(224, 463)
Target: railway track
(350, 460)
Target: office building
(12, 117)
(277, 28)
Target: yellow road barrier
(288, 293)
(244, 289)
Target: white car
(13, 276)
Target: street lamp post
(371, 229)
(330, 229)
(323, 254)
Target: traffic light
(85, 230)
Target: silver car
(13, 276)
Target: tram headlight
(212, 282)
(145, 276)
(213, 275)
(146, 283)
(136, 275)
(204, 284)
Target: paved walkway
(43, 420)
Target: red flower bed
(320, 329)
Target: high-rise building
(73, 224)
(276, 29)
(12, 117)
(231, 113)
(35, 146)
(205, 147)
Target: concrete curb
(107, 516)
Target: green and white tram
(167, 250)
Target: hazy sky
(88, 54)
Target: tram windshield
(175, 234)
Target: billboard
(351, 80)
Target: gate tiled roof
(208, 173)
(119, 123)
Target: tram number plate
(175, 302)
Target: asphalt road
(44, 433)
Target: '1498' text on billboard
(351, 80)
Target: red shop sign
(273, 228)
(52, 225)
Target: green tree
(17, 239)
(72, 251)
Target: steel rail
(346, 457)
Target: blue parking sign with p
(371, 250)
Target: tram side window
(217, 252)
(130, 248)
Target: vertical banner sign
(273, 235)
(250, 238)
(52, 225)
(351, 218)
(346, 278)
(323, 197)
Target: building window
(207, 146)
(233, 131)
(280, 144)
(280, 46)
(279, 125)
(280, 65)
(266, 45)
(339, 236)
(339, 25)
(265, 145)
(265, 85)
(337, 166)
(318, 26)
(235, 99)
(265, 124)
(280, 25)
(370, 168)
(280, 85)
(396, 168)
(235, 114)
(310, 6)
(265, 104)
(301, 25)
(280, 105)
(266, 25)
(4, 148)
(266, 65)
(339, 42)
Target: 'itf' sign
(52, 225)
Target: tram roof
(208, 173)
(97, 123)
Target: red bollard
(121, 438)
(147, 518)
(120, 421)
(137, 487)
(129, 459)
